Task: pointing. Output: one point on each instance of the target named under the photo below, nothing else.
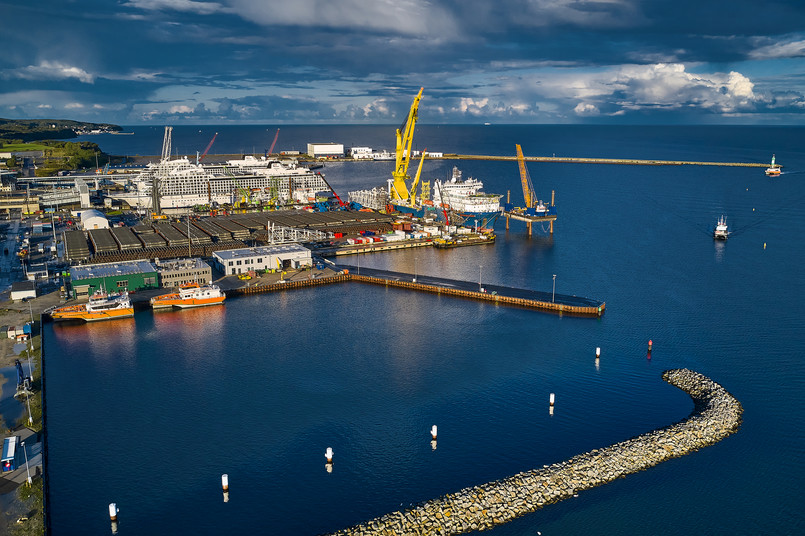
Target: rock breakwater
(716, 415)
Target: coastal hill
(26, 130)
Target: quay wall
(716, 415)
(422, 287)
(483, 296)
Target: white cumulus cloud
(50, 70)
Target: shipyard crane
(528, 188)
(273, 143)
(412, 196)
(207, 149)
(405, 137)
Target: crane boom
(209, 145)
(405, 137)
(273, 143)
(527, 193)
(412, 195)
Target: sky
(133, 62)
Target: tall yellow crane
(412, 195)
(405, 136)
(528, 189)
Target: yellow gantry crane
(405, 136)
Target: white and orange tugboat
(101, 306)
(190, 295)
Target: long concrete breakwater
(716, 415)
(619, 161)
(595, 309)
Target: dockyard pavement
(17, 313)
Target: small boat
(721, 232)
(101, 306)
(774, 169)
(190, 295)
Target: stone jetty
(716, 415)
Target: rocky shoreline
(716, 415)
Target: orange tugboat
(190, 295)
(101, 306)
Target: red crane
(273, 143)
(208, 147)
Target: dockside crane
(405, 137)
(534, 210)
(273, 143)
(528, 188)
(412, 195)
(209, 145)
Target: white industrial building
(361, 153)
(239, 261)
(318, 150)
(93, 219)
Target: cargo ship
(101, 306)
(190, 295)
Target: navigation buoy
(113, 511)
(764, 245)
(649, 345)
(328, 454)
(433, 431)
(552, 399)
(225, 482)
(597, 352)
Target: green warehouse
(113, 277)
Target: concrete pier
(716, 415)
(620, 161)
(530, 299)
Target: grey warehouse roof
(230, 254)
(111, 269)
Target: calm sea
(148, 413)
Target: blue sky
(362, 61)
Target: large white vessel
(465, 198)
(184, 184)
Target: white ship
(466, 198)
(184, 184)
(721, 231)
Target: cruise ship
(465, 199)
(184, 184)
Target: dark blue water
(149, 413)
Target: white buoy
(552, 398)
(225, 482)
(597, 352)
(433, 431)
(328, 454)
(113, 511)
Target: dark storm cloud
(363, 60)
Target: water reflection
(720, 246)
